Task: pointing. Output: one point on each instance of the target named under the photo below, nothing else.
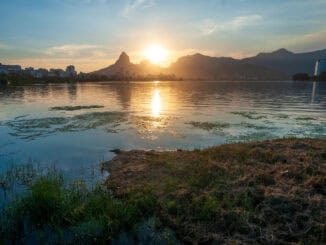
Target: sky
(92, 33)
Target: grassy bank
(266, 192)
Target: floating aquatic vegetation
(310, 130)
(38, 127)
(75, 108)
(305, 118)
(215, 127)
(33, 123)
(22, 116)
(249, 114)
(94, 120)
(252, 136)
(281, 116)
(256, 126)
(35, 127)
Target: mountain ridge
(278, 64)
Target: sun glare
(156, 103)
(156, 54)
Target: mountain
(277, 65)
(124, 68)
(199, 66)
(287, 62)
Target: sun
(156, 54)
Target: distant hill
(123, 67)
(278, 65)
(287, 62)
(199, 66)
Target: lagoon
(74, 126)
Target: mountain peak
(123, 58)
(277, 53)
(282, 51)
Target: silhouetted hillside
(199, 66)
(124, 68)
(287, 62)
(278, 65)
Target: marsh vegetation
(268, 192)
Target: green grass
(263, 192)
(51, 204)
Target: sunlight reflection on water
(151, 115)
(156, 103)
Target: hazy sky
(92, 33)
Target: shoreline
(265, 192)
(269, 192)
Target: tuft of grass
(53, 206)
(45, 202)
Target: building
(320, 67)
(3, 69)
(10, 68)
(28, 71)
(40, 73)
(70, 71)
(14, 68)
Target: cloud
(74, 50)
(209, 26)
(133, 5)
(242, 21)
(305, 42)
(4, 46)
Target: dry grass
(266, 192)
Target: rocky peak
(282, 51)
(123, 59)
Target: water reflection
(170, 115)
(313, 92)
(156, 103)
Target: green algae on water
(305, 118)
(215, 127)
(249, 114)
(75, 108)
(27, 128)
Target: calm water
(150, 115)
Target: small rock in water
(116, 151)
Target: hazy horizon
(91, 34)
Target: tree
(300, 77)
(3, 79)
